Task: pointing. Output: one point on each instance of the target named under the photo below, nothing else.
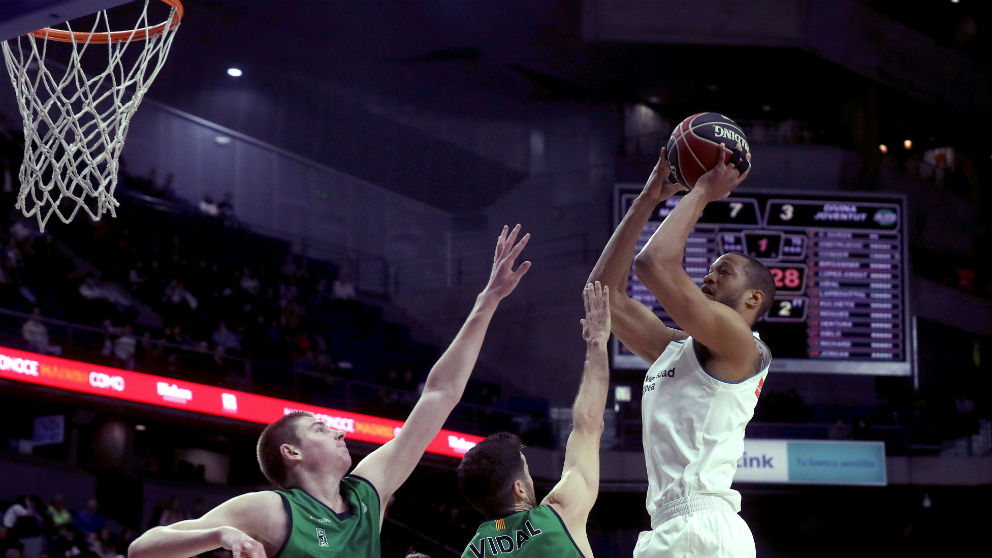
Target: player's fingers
(586, 293)
(521, 269)
(520, 245)
(512, 237)
(499, 243)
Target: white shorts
(697, 526)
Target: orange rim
(113, 36)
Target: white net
(77, 98)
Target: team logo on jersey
(322, 537)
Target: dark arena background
(380, 146)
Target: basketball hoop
(75, 124)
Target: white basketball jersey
(694, 425)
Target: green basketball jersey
(315, 530)
(538, 532)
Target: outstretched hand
(596, 325)
(659, 185)
(719, 181)
(504, 278)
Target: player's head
(299, 440)
(741, 282)
(493, 476)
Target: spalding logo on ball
(695, 145)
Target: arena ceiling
(501, 60)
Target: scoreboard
(839, 264)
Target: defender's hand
(503, 278)
(596, 325)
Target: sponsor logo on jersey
(322, 538)
(649, 380)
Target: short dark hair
(487, 473)
(759, 278)
(282, 431)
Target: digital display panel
(159, 391)
(839, 263)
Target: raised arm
(636, 325)
(389, 466)
(250, 526)
(575, 494)
(659, 267)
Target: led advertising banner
(159, 391)
(812, 462)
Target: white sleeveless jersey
(694, 426)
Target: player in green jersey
(495, 479)
(321, 509)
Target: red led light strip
(160, 391)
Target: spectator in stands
(223, 337)
(24, 523)
(89, 520)
(152, 348)
(104, 544)
(862, 429)
(68, 543)
(288, 268)
(343, 289)
(965, 422)
(179, 303)
(20, 231)
(839, 430)
(249, 283)
(172, 512)
(125, 348)
(208, 207)
(136, 276)
(226, 209)
(58, 515)
(35, 334)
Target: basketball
(695, 145)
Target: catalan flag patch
(500, 524)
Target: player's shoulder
(263, 514)
(253, 503)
